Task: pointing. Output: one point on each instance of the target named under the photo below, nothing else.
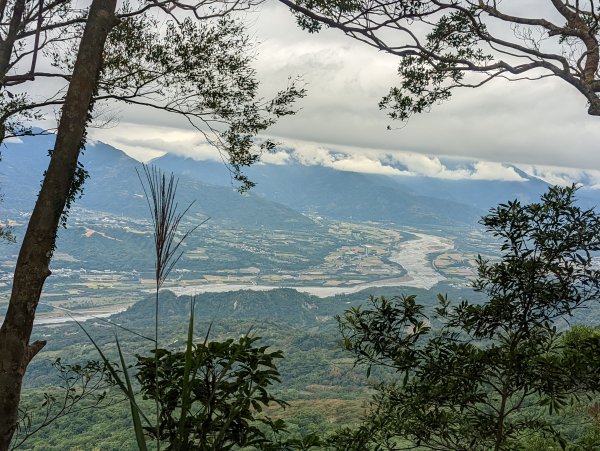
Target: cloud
(139, 141)
(310, 154)
(278, 158)
(564, 176)
(427, 165)
(537, 124)
(489, 170)
(342, 159)
(542, 122)
(395, 163)
(144, 143)
(361, 163)
(159, 141)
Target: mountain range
(283, 195)
(113, 187)
(407, 200)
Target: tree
(198, 69)
(38, 244)
(482, 379)
(211, 395)
(445, 44)
(80, 388)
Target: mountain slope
(337, 194)
(114, 187)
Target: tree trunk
(38, 244)
(7, 46)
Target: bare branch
(453, 38)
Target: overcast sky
(541, 124)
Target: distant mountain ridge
(410, 200)
(282, 197)
(337, 194)
(114, 187)
(283, 194)
(304, 186)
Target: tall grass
(160, 192)
(192, 413)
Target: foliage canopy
(222, 386)
(482, 379)
(445, 44)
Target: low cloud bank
(385, 162)
(401, 163)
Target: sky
(541, 126)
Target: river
(412, 255)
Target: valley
(103, 261)
(283, 263)
(321, 240)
